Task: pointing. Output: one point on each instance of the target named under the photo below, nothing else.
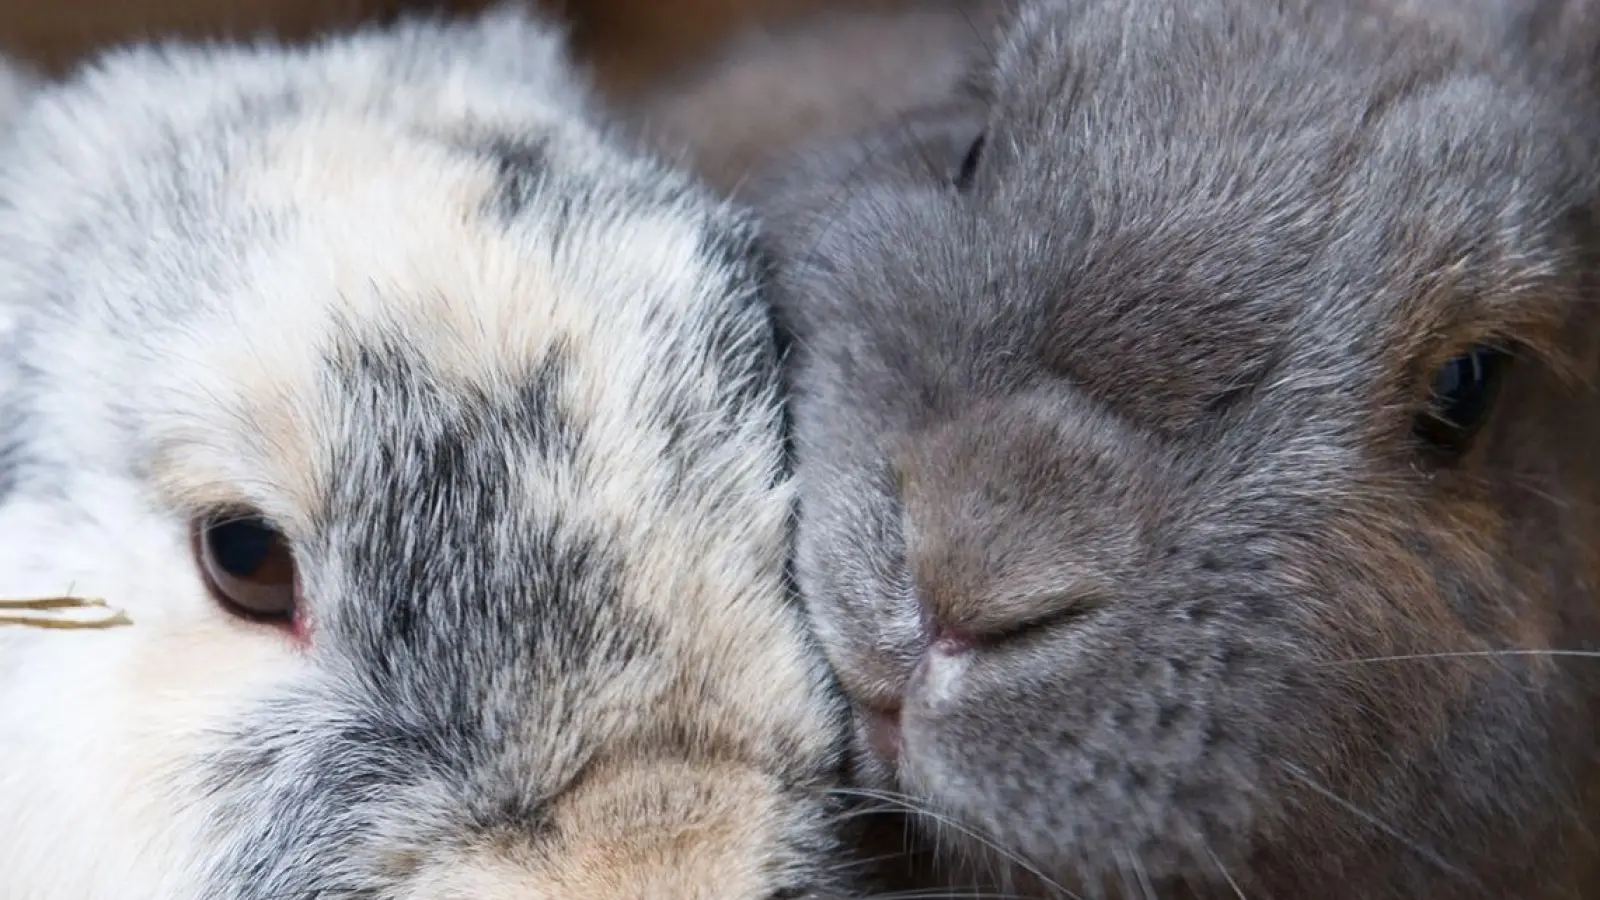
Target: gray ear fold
(815, 79)
(1567, 31)
(1560, 34)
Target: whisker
(866, 861)
(899, 801)
(1300, 775)
(1122, 878)
(865, 811)
(1217, 861)
(1141, 876)
(985, 37)
(911, 804)
(1468, 654)
(946, 894)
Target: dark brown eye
(969, 164)
(248, 567)
(1463, 393)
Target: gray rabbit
(1195, 414)
(429, 439)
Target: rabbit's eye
(1464, 390)
(248, 566)
(969, 164)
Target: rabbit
(809, 79)
(429, 435)
(1194, 416)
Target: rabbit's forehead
(472, 367)
(471, 280)
(1341, 199)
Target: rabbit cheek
(117, 721)
(1064, 706)
(1069, 749)
(106, 725)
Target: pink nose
(883, 733)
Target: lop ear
(815, 79)
(1567, 31)
(1561, 34)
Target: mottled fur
(510, 392)
(1108, 475)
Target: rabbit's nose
(934, 681)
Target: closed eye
(1050, 613)
(1056, 620)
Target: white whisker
(1217, 861)
(1468, 654)
(1300, 775)
(918, 808)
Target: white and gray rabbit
(1195, 416)
(432, 442)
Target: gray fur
(813, 79)
(1130, 415)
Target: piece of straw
(62, 613)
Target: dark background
(627, 40)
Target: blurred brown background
(628, 40)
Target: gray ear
(1563, 35)
(1567, 31)
(815, 79)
